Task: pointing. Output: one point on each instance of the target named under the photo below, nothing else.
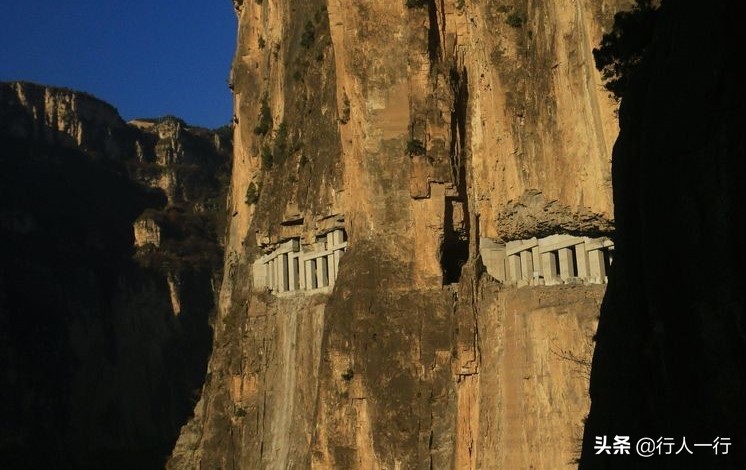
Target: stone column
(310, 274)
(549, 267)
(320, 274)
(292, 276)
(301, 272)
(567, 267)
(331, 268)
(337, 255)
(283, 285)
(271, 283)
(276, 273)
(597, 266)
(581, 258)
(514, 268)
(276, 280)
(527, 265)
(536, 259)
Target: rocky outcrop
(63, 116)
(418, 127)
(107, 279)
(532, 214)
(147, 232)
(669, 361)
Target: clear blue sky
(146, 57)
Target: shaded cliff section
(104, 338)
(670, 356)
(259, 400)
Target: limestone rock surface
(419, 130)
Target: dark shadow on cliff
(670, 359)
(372, 328)
(97, 372)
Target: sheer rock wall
(420, 129)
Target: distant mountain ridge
(110, 256)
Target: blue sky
(147, 58)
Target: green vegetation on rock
(267, 157)
(515, 20)
(415, 147)
(309, 35)
(252, 194)
(264, 123)
(416, 3)
(623, 47)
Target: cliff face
(420, 129)
(103, 341)
(669, 360)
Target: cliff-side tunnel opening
(455, 247)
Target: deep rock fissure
(455, 247)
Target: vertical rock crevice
(457, 221)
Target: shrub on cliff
(415, 147)
(622, 48)
(252, 194)
(416, 3)
(267, 157)
(280, 152)
(264, 121)
(515, 20)
(308, 36)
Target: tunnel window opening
(455, 248)
(433, 33)
(454, 256)
(573, 267)
(296, 274)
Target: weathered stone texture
(426, 128)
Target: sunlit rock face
(419, 129)
(107, 279)
(147, 232)
(64, 116)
